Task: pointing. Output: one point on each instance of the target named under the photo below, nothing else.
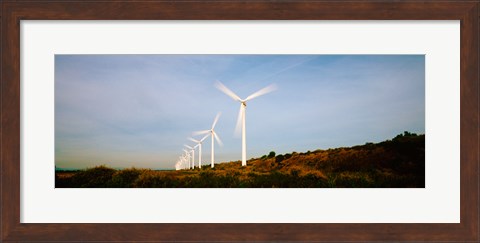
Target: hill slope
(398, 163)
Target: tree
(409, 134)
(271, 154)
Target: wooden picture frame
(14, 11)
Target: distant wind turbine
(241, 114)
(199, 144)
(182, 162)
(187, 155)
(187, 158)
(192, 149)
(213, 134)
(177, 165)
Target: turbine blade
(227, 91)
(238, 127)
(216, 120)
(188, 146)
(196, 146)
(206, 136)
(194, 140)
(261, 92)
(219, 141)
(200, 132)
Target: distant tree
(409, 134)
(405, 134)
(398, 137)
(263, 157)
(288, 156)
(271, 154)
(279, 158)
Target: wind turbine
(187, 155)
(193, 153)
(177, 165)
(199, 144)
(241, 113)
(186, 161)
(214, 136)
(182, 161)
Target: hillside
(396, 163)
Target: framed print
(127, 121)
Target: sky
(138, 110)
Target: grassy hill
(396, 163)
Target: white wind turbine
(186, 161)
(181, 162)
(192, 150)
(177, 165)
(189, 158)
(211, 132)
(241, 114)
(199, 144)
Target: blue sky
(138, 110)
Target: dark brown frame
(13, 11)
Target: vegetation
(396, 163)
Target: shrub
(124, 178)
(94, 177)
(149, 178)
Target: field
(395, 163)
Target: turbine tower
(214, 136)
(241, 114)
(199, 144)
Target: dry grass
(394, 163)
